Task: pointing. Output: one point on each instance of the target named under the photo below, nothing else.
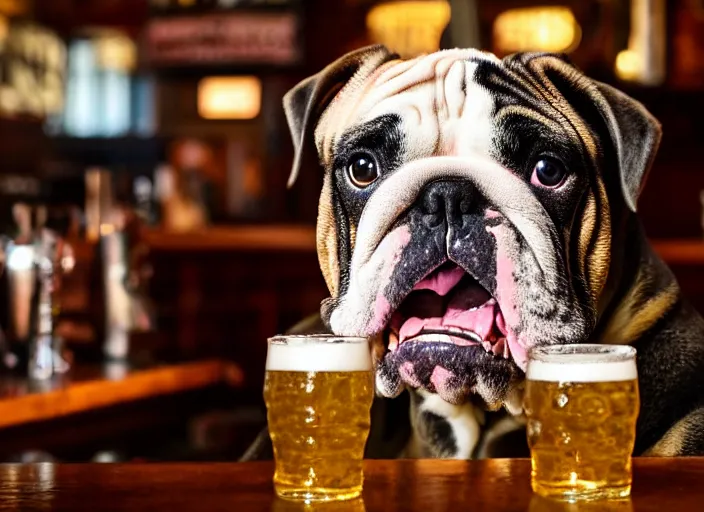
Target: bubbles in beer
(581, 434)
(318, 394)
(582, 409)
(318, 423)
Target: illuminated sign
(223, 39)
(35, 64)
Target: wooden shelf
(302, 239)
(680, 251)
(87, 388)
(235, 238)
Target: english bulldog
(474, 208)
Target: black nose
(446, 200)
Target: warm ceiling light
(14, 7)
(229, 97)
(547, 29)
(627, 65)
(409, 28)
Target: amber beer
(318, 392)
(582, 404)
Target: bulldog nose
(445, 200)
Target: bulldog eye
(548, 172)
(362, 169)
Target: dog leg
(684, 437)
(442, 430)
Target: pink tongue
(441, 281)
(470, 308)
(479, 320)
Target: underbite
(449, 306)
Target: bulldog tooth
(461, 332)
(393, 341)
(499, 347)
(440, 338)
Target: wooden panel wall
(226, 303)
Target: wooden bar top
(90, 387)
(424, 485)
(686, 251)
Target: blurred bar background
(150, 243)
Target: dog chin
(449, 336)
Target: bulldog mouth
(450, 306)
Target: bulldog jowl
(446, 331)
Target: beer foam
(318, 354)
(581, 368)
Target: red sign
(233, 38)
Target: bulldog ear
(634, 132)
(636, 137)
(305, 103)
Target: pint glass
(318, 392)
(582, 404)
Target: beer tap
(126, 273)
(54, 258)
(37, 259)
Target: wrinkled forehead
(409, 89)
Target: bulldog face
(466, 210)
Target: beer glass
(582, 403)
(318, 392)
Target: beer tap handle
(53, 260)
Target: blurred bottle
(144, 205)
(184, 187)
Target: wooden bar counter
(92, 387)
(135, 409)
(427, 485)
